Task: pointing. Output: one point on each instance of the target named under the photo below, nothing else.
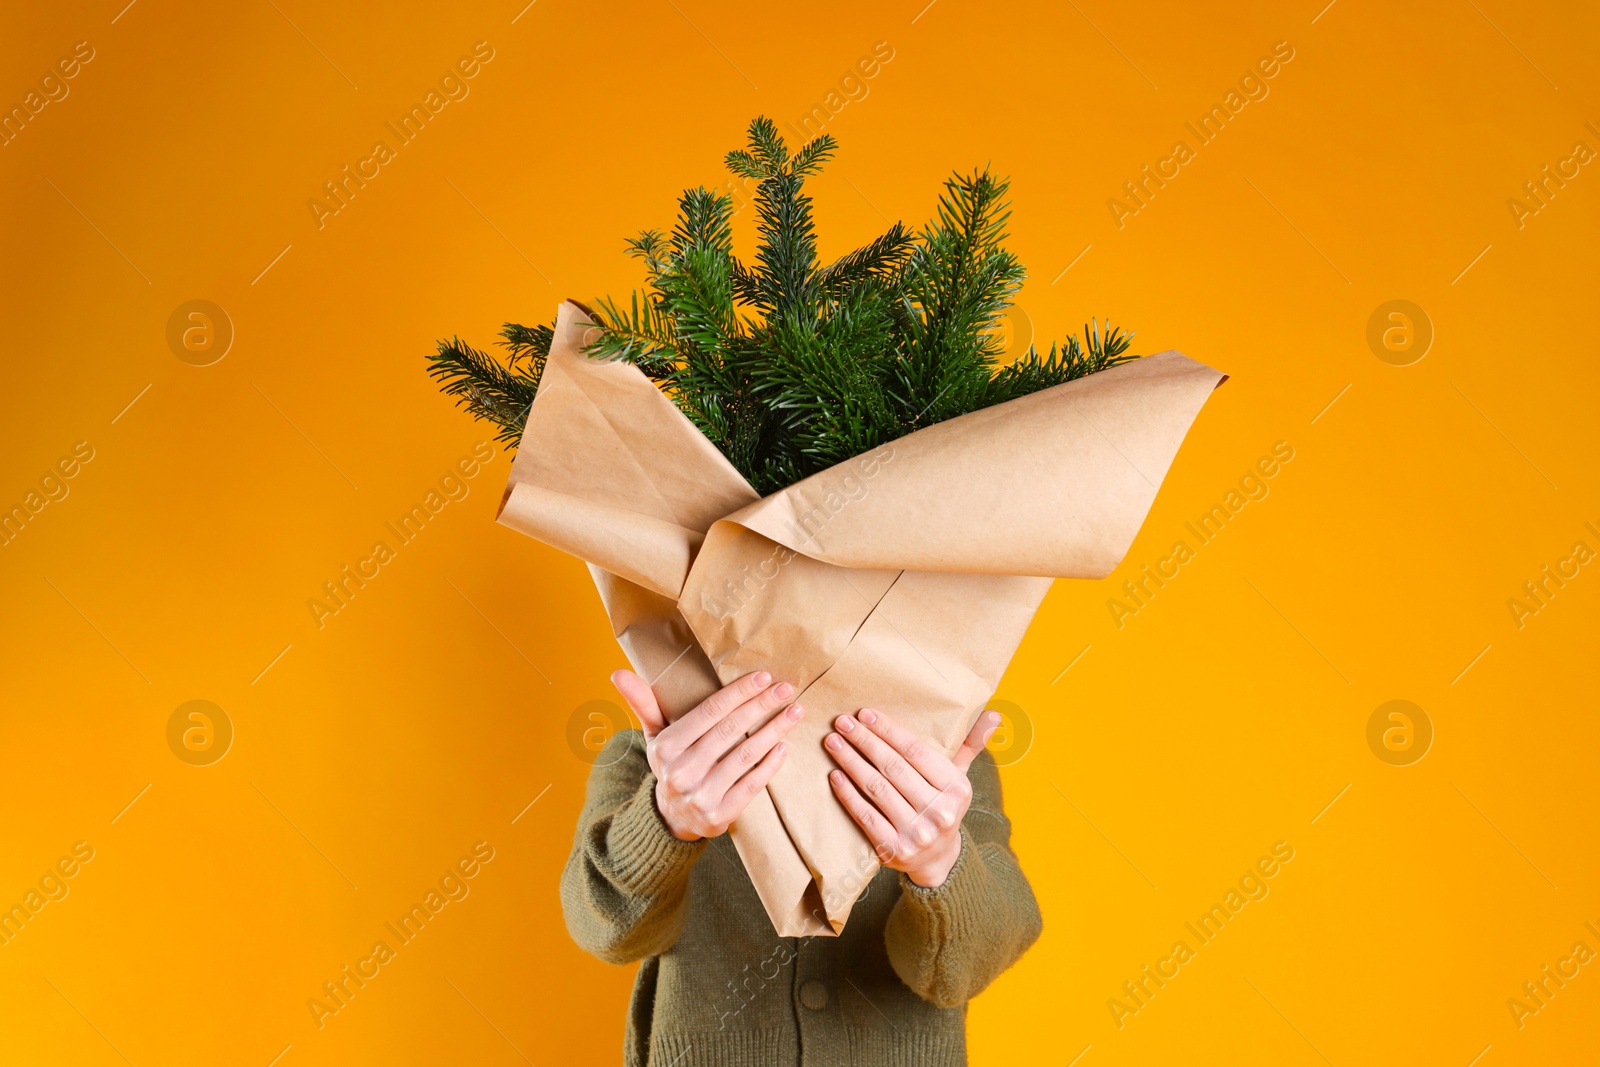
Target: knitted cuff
(646, 858)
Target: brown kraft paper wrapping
(903, 579)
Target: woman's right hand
(707, 771)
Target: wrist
(674, 827)
(933, 874)
(645, 855)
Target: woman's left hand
(906, 795)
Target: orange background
(425, 716)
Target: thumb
(641, 700)
(976, 738)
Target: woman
(652, 877)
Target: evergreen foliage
(789, 365)
(495, 392)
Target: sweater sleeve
(625, 888)
(949, 942)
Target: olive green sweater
(716, 986)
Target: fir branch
(786, 257)
(648, 246)
(530, 344)
(746, 283)
(883, 257)
(704, 221)
(642, 334)
(1033, 372)
(812, 156)
(486, 388)
(767, 153)
(829, 381)
(958, 282)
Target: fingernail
(762, 678)
(844, 724)
(834, 741)
(835, 777)
(795, 711)
(780, 748)
(868, 716)
(783, 691)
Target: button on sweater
(716, 986)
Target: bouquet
(826, 471)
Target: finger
(880, 834)
(710, 710)
(742, 792)
(872, 782)
(976, 738)
(893, 765)
(642, 699)
(728, 731)
(752, 751)
(934, 766)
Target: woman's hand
(706, 769)
(907, 797)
